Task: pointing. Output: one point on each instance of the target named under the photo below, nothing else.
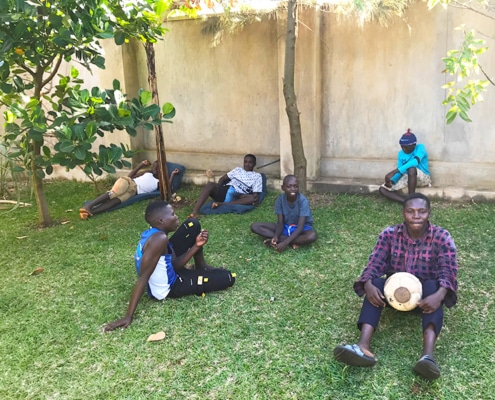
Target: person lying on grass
(160, 261)
(238, 186)
(294, 225)
(424, 250)
(136, 182)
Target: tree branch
(53, 73)
(486, 76)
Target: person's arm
(257, 189)
(154, 248)
(418, 154)
(431, 303)
(373, 294)
(223, 180)
(392, 177)
(378, 261)
(173, 173)
(447, 269)
(180, 261)
(134, 173)
(278, 229)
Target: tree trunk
(165, 190)
(43, 213)
(44, 216)
(290, 96)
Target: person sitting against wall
(136, 182)
(239, 186)
(412, 169)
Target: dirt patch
(320, 199)
(183, 203)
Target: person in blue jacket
(412, 169)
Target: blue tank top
(163, 276)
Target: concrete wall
(358, 90)
(226, 97)
(378, 82)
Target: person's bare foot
(268, 243)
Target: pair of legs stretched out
(360, 354)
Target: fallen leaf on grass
(37, 271)
(155, 337)
(65, 222)
(21, 237)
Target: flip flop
(84, 214)
(352, 354)
(427, 368)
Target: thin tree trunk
(165, 190)
(290, 96)
(44, 216)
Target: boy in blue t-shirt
(294, 225)
(412, 169)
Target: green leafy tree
(50, 123)
(465, 89)
(142, 20)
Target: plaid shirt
(434, 256)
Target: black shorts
(220, 193)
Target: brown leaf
(37, 271)
(155, 337)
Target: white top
(146, 183)
(245, 181)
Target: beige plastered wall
(378, 82)
(358, 90)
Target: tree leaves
(35, 37)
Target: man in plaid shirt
(424, 250)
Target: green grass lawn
(271, 336)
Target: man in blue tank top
(160, 261)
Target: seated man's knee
(412, 171)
